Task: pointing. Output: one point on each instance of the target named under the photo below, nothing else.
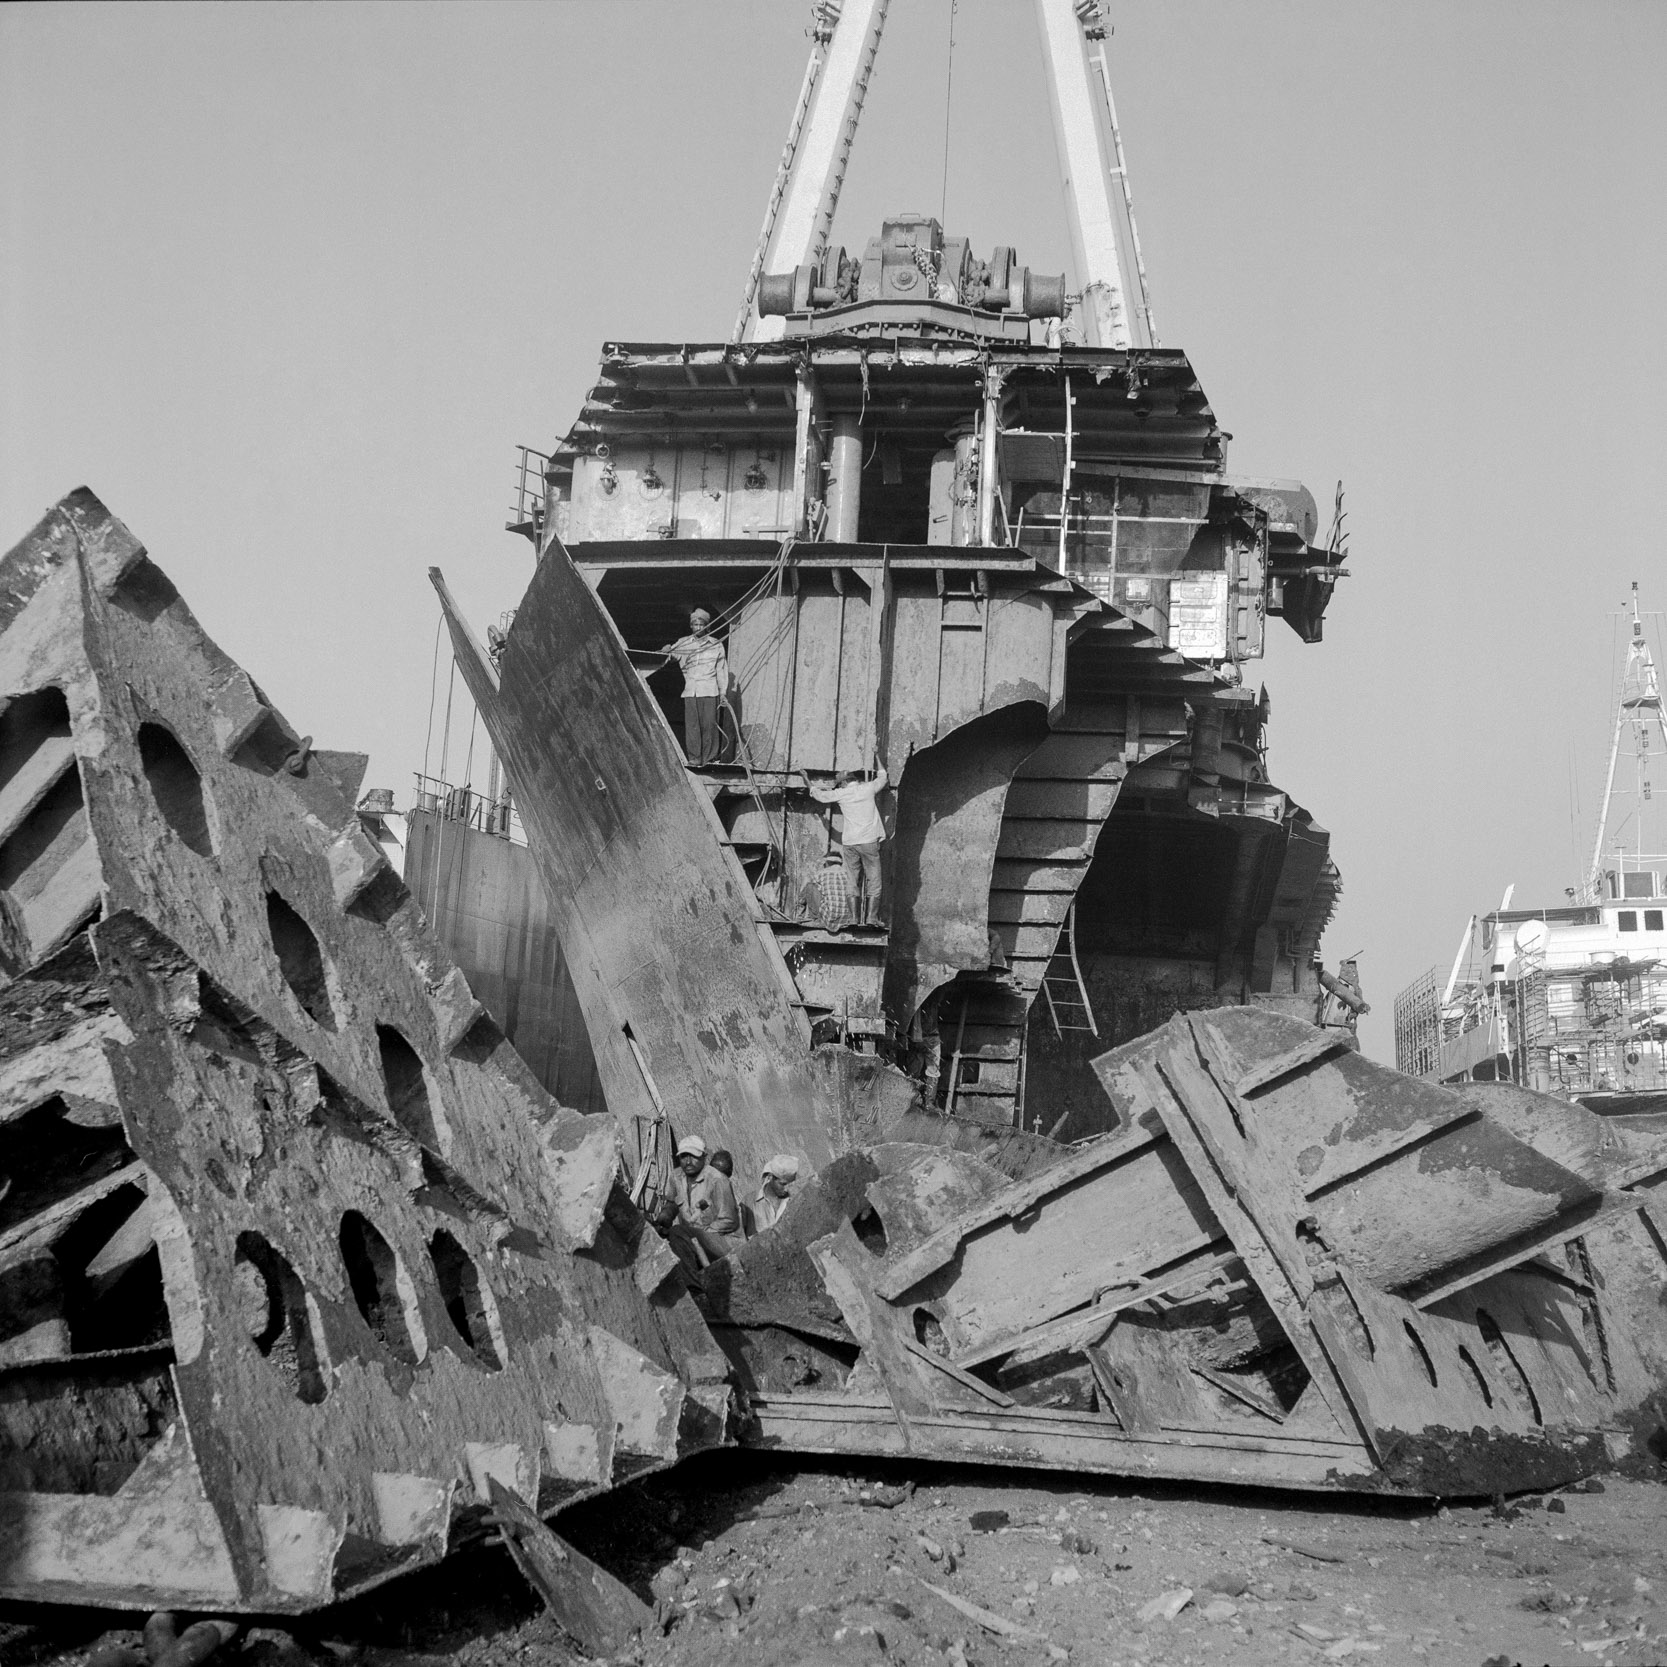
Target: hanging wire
(433, 686)
(948, 89)
(445, 739)
(770, 576)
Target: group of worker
(700, 1206)
(845, 890)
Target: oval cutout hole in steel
(381, 1289)
(1476, 1372)
(470, 1305)
(406, 1085)
(273, 1306)
(176, 786)
(1506, 1364)
(1422, 1353)
(300, 960)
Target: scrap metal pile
(296, 1258)
(300, 1270)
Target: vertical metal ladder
(1067, 996)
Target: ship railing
(526, 512)
(466, 804)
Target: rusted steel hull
(296, 1259)
(297, 1262)
(1269, 1274)
(689, 1004)
(1285, 1263)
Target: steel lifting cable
(772, 574)
(948, 90)
(433, 686)
(445, 739)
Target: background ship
(1572, 999)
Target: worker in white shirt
(705, 683)
(861, 831)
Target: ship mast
(1639, 710)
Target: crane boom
(1115, 310)
(845, 36)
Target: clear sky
(285, 285)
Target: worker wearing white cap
(691, 1159)
(705, 683)
(779, 1175)
(705, 1199)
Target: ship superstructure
(943, 533)
(1571, 1000)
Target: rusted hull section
(296, 1259)
(1281, 1263)
(298, 1264)
(1288, 1266)
(691, 1010)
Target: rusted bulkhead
(1285, 1265)
(1289, 1266)
(295, 1256)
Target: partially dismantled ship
(1571, 998)
(303, 1270)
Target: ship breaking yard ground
(308, 1286)
(751, 1560)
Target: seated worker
(861, 831)
(779, 1175)
(705, 683)
(828, 895)
(725, 1217)
(705, 1200)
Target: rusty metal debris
(1289, 1266)
(299, 1268)
(296, 1259)
(303, 1272)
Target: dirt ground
(753, 1561)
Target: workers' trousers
(700, 728)
(868, 857)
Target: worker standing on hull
(705, 682)
(1340, 1006)
(861, 832)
